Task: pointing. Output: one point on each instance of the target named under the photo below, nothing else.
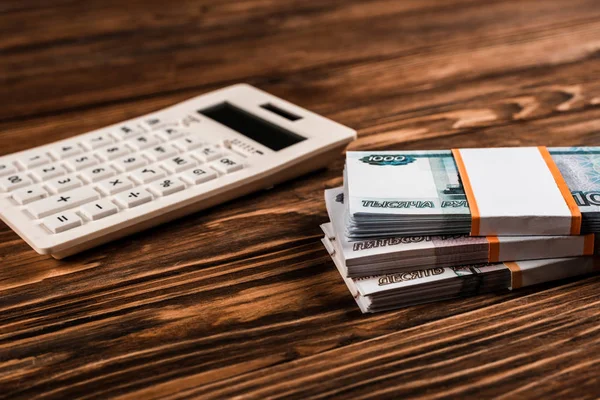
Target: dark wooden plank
(242, 299)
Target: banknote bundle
(388, 255)
(410, 193)
(414, 227)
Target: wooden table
(243, 299)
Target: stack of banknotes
(413, 245)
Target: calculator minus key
(133, 198)
(165, 187)
(198, 175)
(98, 209)
(63, 221)
(60, 202)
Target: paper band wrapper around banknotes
(516, 191)
(515, 248)
(527, 274)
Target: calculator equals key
(76, 193)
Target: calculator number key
(97, 141)
(143, 142)
(166, 187)
(34, 160)
(12, 182)
(228, 164)
(161, 152)
(29, 194)
(130, 162)
(66, 150)
(112, 152)
(7, 169)
(62, 222)
(95, 174)
(63, 183)
(148, 174)
(98, 209)
(198, 175)
(133, 198)
(80, 162)
(48, 172)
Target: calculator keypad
(91, 178)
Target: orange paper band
(588, 244)
(516, 274)
(462, 172)
(494, 249)
(564, 190)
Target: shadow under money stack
(399, 228)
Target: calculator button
(143, 142)
(63, 183)
(130, 162)
(98, 173)
(127, 131)
(113, 151)
(29, 194)
(65, 150)
(98, 209)
(7, 169)
(207, 153)
(60, 202)
(198, 175)
(147, 174)
(188, 120)
(179, 163)
(97, 141)
(168, 133)
(228, 164)
(161, 152)
(133, 198)
(62, 222)
(48, 172)
(34, 160)
(115, 184)
(12, 182)
(167, 186)
(80, 162)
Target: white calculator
(74, 194)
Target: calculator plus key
(29, 194)
(60, 202)
(148, 174)
(167, 186)
(228, 164)
(98, 173)
(198, 175)
(133, 198)
(12, 182)
(62, 222)
(114, 185)
(98, 209)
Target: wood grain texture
(242, 300)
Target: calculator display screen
(266, 133)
